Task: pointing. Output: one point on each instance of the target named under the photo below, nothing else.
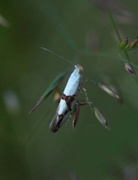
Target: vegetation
(104, 42)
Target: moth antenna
(57, 55)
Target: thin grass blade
(55, 83)
(115, 27)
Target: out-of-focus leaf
(55, 83)
(4, 22)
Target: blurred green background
(28, 150)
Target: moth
(68, 99)
(69, 105)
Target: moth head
(79, 68)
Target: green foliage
(54, 85)
(78, 30)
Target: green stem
(114, 26)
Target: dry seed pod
(108, 90)
(75, 115)
(101, 118)
(130, 69)
(83, 102)
(134, 43)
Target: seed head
(108, 90)
(101, 118)
(134, 43)
(130, 69)
(123, 43)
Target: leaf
(55, 83)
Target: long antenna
(57, 55)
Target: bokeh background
(28, 150)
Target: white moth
(69, 103)
(68, 99)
